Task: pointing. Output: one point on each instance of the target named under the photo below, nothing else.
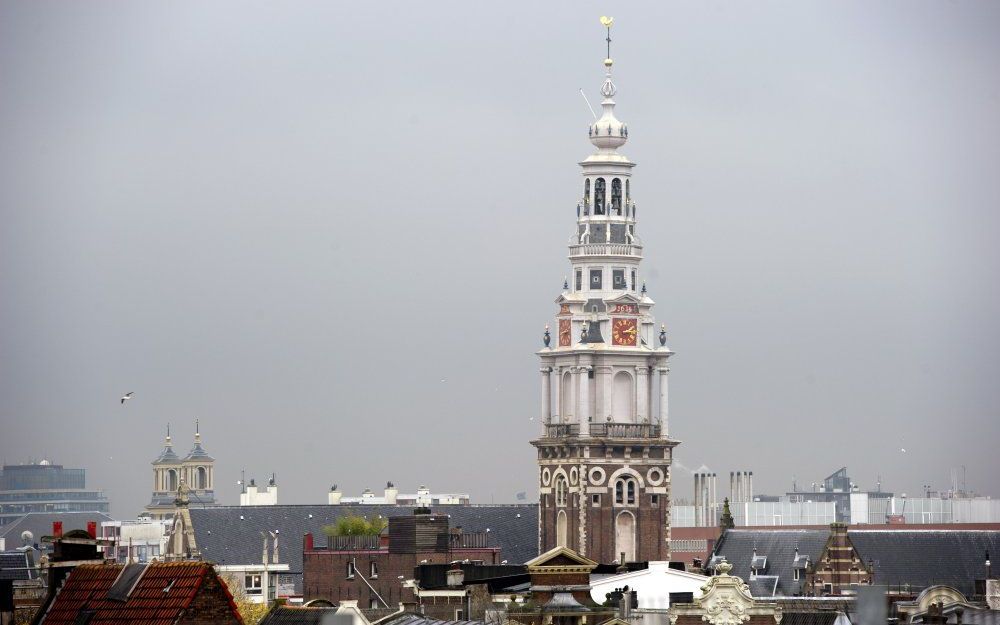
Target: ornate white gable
(725, 599)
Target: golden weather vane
(607, 22)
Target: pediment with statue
(725, 600)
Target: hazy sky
(294, 220)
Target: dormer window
(795, 574)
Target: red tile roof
(160, 597)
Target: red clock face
(565, 333)
(623, 331)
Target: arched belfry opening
(616, 196)
(599, 189)
(586, 196)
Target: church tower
(604, 453)
(196, 472)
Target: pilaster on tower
(604, 453)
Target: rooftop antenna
(588, 103)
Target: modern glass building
(46, 487)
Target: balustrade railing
(609, 430)
(605, 249)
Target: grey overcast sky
(334, 231)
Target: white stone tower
(604, 454)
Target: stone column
(664, 410)
(584, 400)
(546, 398)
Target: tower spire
(197, 432)
(169, 444)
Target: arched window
(562, 531)
(586, 196)
(616, 196)
(599, 196)
(171, 480)
(625, 491)
(562, 490)
(201, 478)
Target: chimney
(307, 542)
(456, 576)
(92, 528)
(333, 498)
(391, 492)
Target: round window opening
(596, 476)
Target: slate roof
(17, 565)
(230, 535)
(159, 596)
(917, 557)
(778, 547)
(40, 524)
(923, 558)
(198, 453)
(409, 618)
(284, 615)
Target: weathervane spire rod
(607, 22)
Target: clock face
(565, 333)
(623, 331)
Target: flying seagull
(126, 397)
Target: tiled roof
(40, 524)
(230, 535)
(924, 558)
(163, 591)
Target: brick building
(372, 569)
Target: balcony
(605, 249)
(605, 430)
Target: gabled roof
(917, 557)
(924, 558)
(561, 558)
(159, 595)
(778, 546)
